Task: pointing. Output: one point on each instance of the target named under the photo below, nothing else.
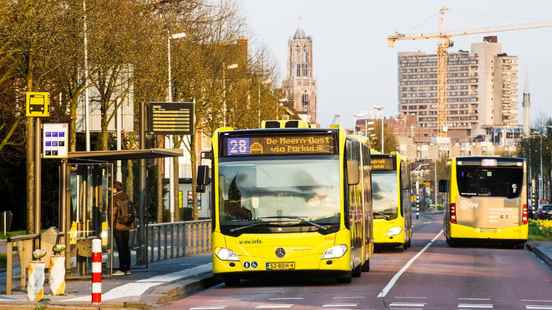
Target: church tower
(300, 85)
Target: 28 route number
(238, 146)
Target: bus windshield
(277, 191)
(384, 194)
(490, 181)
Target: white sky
(354, 67)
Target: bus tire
(357, 271)
(231, 281)
(366, 266)
(519, 245)
(346, 277)
(452, 243)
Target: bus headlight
(335, 252)
(393, 231)
(226, 254)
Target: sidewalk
(165, 281)
(542, 249)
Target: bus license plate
(280, 266)
(488, 230)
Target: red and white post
(97, 271)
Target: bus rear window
(490, 181)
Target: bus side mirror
(202, 178)
(353, 173)
(443, 186)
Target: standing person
(123, 221)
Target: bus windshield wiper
(301, 220)
(382, 214)
(254, 224)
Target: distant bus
(487, 200)
(290, 199)
(391, 200)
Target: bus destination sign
(280, 145)
(382, 163)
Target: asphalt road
(430, 275)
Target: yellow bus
(391, 200)
(289, 198)
(487, 200)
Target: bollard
(97, 271)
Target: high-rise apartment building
(482, 89)
(300, 85)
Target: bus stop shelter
(86, 205)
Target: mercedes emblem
(280, 252)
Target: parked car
(545, 212)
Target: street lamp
(172, 164)
(380, 109)
(174, 36)
(224, 108)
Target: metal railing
(178, 239)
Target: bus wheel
(452, 243)
(366, 266)
(519, 245)
(231, 281)
(357, 271)
(346, 277)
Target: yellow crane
(445, 41)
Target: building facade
(482, 89)
(300, 85)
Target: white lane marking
(286, 298)
(473, 298)
(397, 275)
(536, 300)
(407, 304)
(339, 305)
(538, 307)
(408, 297)
(273, 306)
(349, 297)
(209, 308)
(475, 306)
(139, 287)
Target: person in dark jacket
(121, 203)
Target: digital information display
(382, 163)
(280, 145)
(171, 118)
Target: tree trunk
(73, 123)
(160, 175)
(104, 136)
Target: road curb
(540, 254)
(179, 289)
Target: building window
(298, 70)
(305, 102)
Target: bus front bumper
(250, 264)
(502, 233)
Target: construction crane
(445, 41)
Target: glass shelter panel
(89, 214)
